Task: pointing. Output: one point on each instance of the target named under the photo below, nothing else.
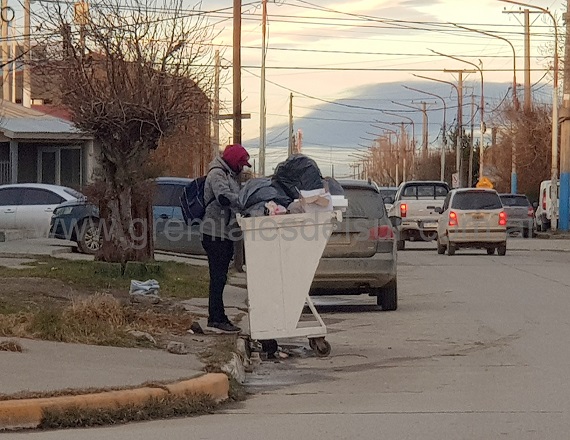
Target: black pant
(220, 252)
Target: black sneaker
(225, 326)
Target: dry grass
(99, 319)
(155, 408)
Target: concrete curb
(28, 413)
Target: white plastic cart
(282, 254)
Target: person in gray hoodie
(219, 227)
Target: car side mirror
(396, 221)
(439, 210)
(389, 200)
(535, 205)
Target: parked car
(472, 218)
(416, 203)
(361, 256)
(29, 206)
(545, 208)
(79, 221)
(520, 214)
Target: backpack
(192, 200)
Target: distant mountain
(333, 133)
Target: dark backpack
(192, 200)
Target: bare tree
(130, 72)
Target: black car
(79, 221)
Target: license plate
(430, 224)
(478, 216)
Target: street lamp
(459, 110)
(515, 102)
(564, 194)
(444, 139)
(482, 108)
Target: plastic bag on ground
(146, 288)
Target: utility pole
(565, 138)
(216, 137)
(263, 105)
(459, 141)
(527, 94)
(425, 135)
(5, 56)
(236, 72)
(27, 94)
(471, 144)
(291, 139)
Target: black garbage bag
(260, 191)
(298, 173)
(335, 188)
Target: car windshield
(515, 201)
(424, 191)
(363, 203)
(475, 200)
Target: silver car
(520, 214)
(361, 256)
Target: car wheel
(387, 296)
(451, 248)
(400, 245)
(440, 248)
(502, 249)
(490, 251)
(90, 240)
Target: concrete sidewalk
(45, 366)
(50, 366)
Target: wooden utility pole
(471, 144)
(425, 131)
(236, 72)
(27, 94)
(291, 143)
(216, 135)
(564, 210)
(262, 105)
(5, 56)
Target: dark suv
(79, 221)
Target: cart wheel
(320, 346)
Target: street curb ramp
(28, 413)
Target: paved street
(478, 349)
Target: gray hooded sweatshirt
(221, 197)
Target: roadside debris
(145, 291)
(10, 346)
(176, 348)
(142, 336)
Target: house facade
(36, 147)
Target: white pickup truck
(545, 209)
(415, 203)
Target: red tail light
(383, 232)
(502, 218)
(544, 199)
(452, 219)
(403, 210)
(530, 211)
